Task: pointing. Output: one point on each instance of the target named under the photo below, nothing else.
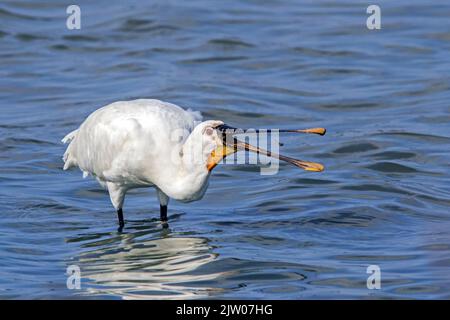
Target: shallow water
(383, 200)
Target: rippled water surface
(383, 199)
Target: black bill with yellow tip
(231, 145)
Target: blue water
(383, 199)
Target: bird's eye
(209, 131)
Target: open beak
(231, 145)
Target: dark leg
(163, 211)
(120, 216)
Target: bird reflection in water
(149, 269)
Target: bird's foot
(164, 224)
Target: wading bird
(150, 143)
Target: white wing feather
(115, 142)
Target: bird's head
(203, 140)
(213, 140)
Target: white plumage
(150, 143)
(132, 144)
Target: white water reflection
(153, 269)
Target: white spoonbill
(150, 143)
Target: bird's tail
(69, 161)
(69, 137)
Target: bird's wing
(121, 140)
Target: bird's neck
(191, 178)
